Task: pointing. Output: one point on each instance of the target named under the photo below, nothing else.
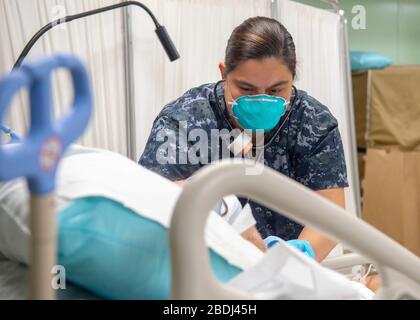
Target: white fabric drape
(200, 30)
(98, 40)
(321, 72)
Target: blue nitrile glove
(302, 245)
(271, 241)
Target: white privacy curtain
(98, 40)
(321, 70)
(200, 30)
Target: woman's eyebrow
(250, 85)
(277, 84)
(245, 84)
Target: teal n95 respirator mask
(258, 112)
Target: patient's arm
(320, 243)
(181, 182)
(373, 282)
(254, 236)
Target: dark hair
(259, 38)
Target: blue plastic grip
(37, 156)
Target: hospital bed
(192, 277)
(37, 158)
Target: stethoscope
(272, 136)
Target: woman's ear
(222, 69)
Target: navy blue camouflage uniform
(307, 149)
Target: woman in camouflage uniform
(305, 144)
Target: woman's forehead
(267, 72)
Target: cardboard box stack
(387, 113)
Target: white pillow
(88, 172)
(14, 220)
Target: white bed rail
(192, 277)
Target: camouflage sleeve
(164, 154)
(320, 162)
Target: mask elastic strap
(232, 101)
(288, 104)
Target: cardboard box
(360, 90)
(391, 199)
(387, 107)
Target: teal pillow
(361, 60)
(117, 254)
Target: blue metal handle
(37, 156)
